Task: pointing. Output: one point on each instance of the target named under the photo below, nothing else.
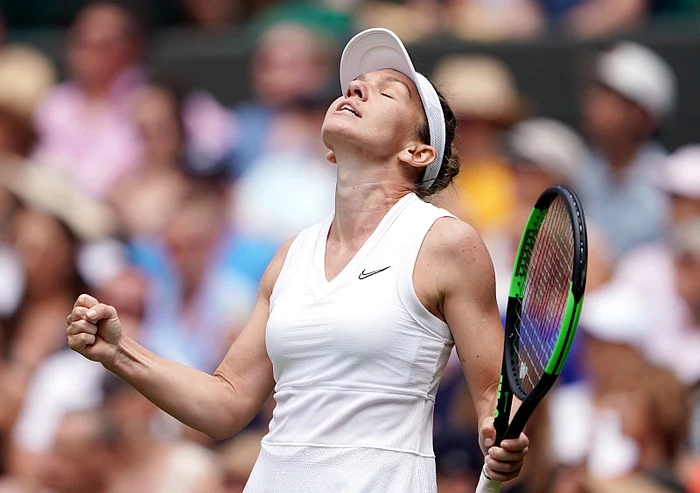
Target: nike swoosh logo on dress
(365, 275)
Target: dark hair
(449, 168)
(20, 129)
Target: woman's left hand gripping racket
(544, 304)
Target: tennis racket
(544, 304)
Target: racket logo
(523, 370)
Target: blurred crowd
(486, 20)
(160, 200)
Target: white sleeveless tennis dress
(357, 362)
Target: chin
(338, 128)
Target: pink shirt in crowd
(94, 145)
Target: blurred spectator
(543, 152)
(291, 187)
(661, 273)
(654, 410)
(238, 458)
(482, 92)
(213, 14)
(676, 349)
(622, 111)
(584, 431)
(143, 462)
(81, 454)
(204, 277)
(55, 391)
(51, 221)
(181, 130)
(290, 61)
(147, 198)
(84, 125)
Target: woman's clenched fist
(94, 330)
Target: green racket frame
(510, 383)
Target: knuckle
(75, 344)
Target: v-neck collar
(318, 281)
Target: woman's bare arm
(218, 405)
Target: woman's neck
(364, 194)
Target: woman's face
(157, 118)
(44, 247)
(380, 113)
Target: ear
(330, 156)
(418, 155)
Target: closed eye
(387, 95)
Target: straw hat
(43, 190)
(479, 87)
(25, 76)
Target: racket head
(544, 304)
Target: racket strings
(545, 295)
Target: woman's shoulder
(456, 248)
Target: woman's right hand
(94, 330)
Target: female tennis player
(357, 316)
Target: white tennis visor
(379, 49)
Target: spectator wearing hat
(585, 430)
(662, 272)
(629, 100)
(543, 152)
(483, 94)
(49, 223)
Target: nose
(357, 88)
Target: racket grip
(487, 485)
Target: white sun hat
(641, 75)
(379, 49)
(681, 174)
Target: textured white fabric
(357, 362)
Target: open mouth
(347, 108)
